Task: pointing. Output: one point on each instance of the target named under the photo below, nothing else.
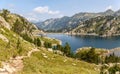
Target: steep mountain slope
(54, 24)
(13, 43)
(19, 25)
(68, 23)
(101, 25)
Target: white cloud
(45, 9)
(109, 7)
(42, 13)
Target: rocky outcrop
(4, 23)
(3, 38)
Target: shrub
(5, 13)
(48, 44)
(114, 69)
(27, 38)
(37, 42)
(88, 56)
(67, 49)
(112, 59)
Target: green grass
(53, 41)
(7, 49)
(97, 50)
(55, 64)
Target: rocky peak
(108, 12)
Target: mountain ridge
(69, 24)
(66, 23)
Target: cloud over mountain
(45, 10)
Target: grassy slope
(37, 64)
(53, 41)
(7, 49)
(54, 64)
(97, 50)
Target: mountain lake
(87, 41)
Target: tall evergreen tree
(48, 44)
(38, 42)
(67, 49)
(59, 47)
(18, 43)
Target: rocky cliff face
(17, 24)
(101, 25)
(3, 23)
(65, 23)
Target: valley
(21, 52)
(87, 42)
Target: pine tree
(17, 27)
(67, 49)
(18, 43)
(48, 44)
(35, 41)
(38, 42)
(59, 47)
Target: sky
(39, 10)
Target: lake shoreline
(115, 50)
(77, 41)
(85, 34)
(59, 41)
(91, 34)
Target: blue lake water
(87, 41)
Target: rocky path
(15, 64)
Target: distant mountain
(57, 24)
(117, 13)
(107, 12)
(102, 25)
(65, 23)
